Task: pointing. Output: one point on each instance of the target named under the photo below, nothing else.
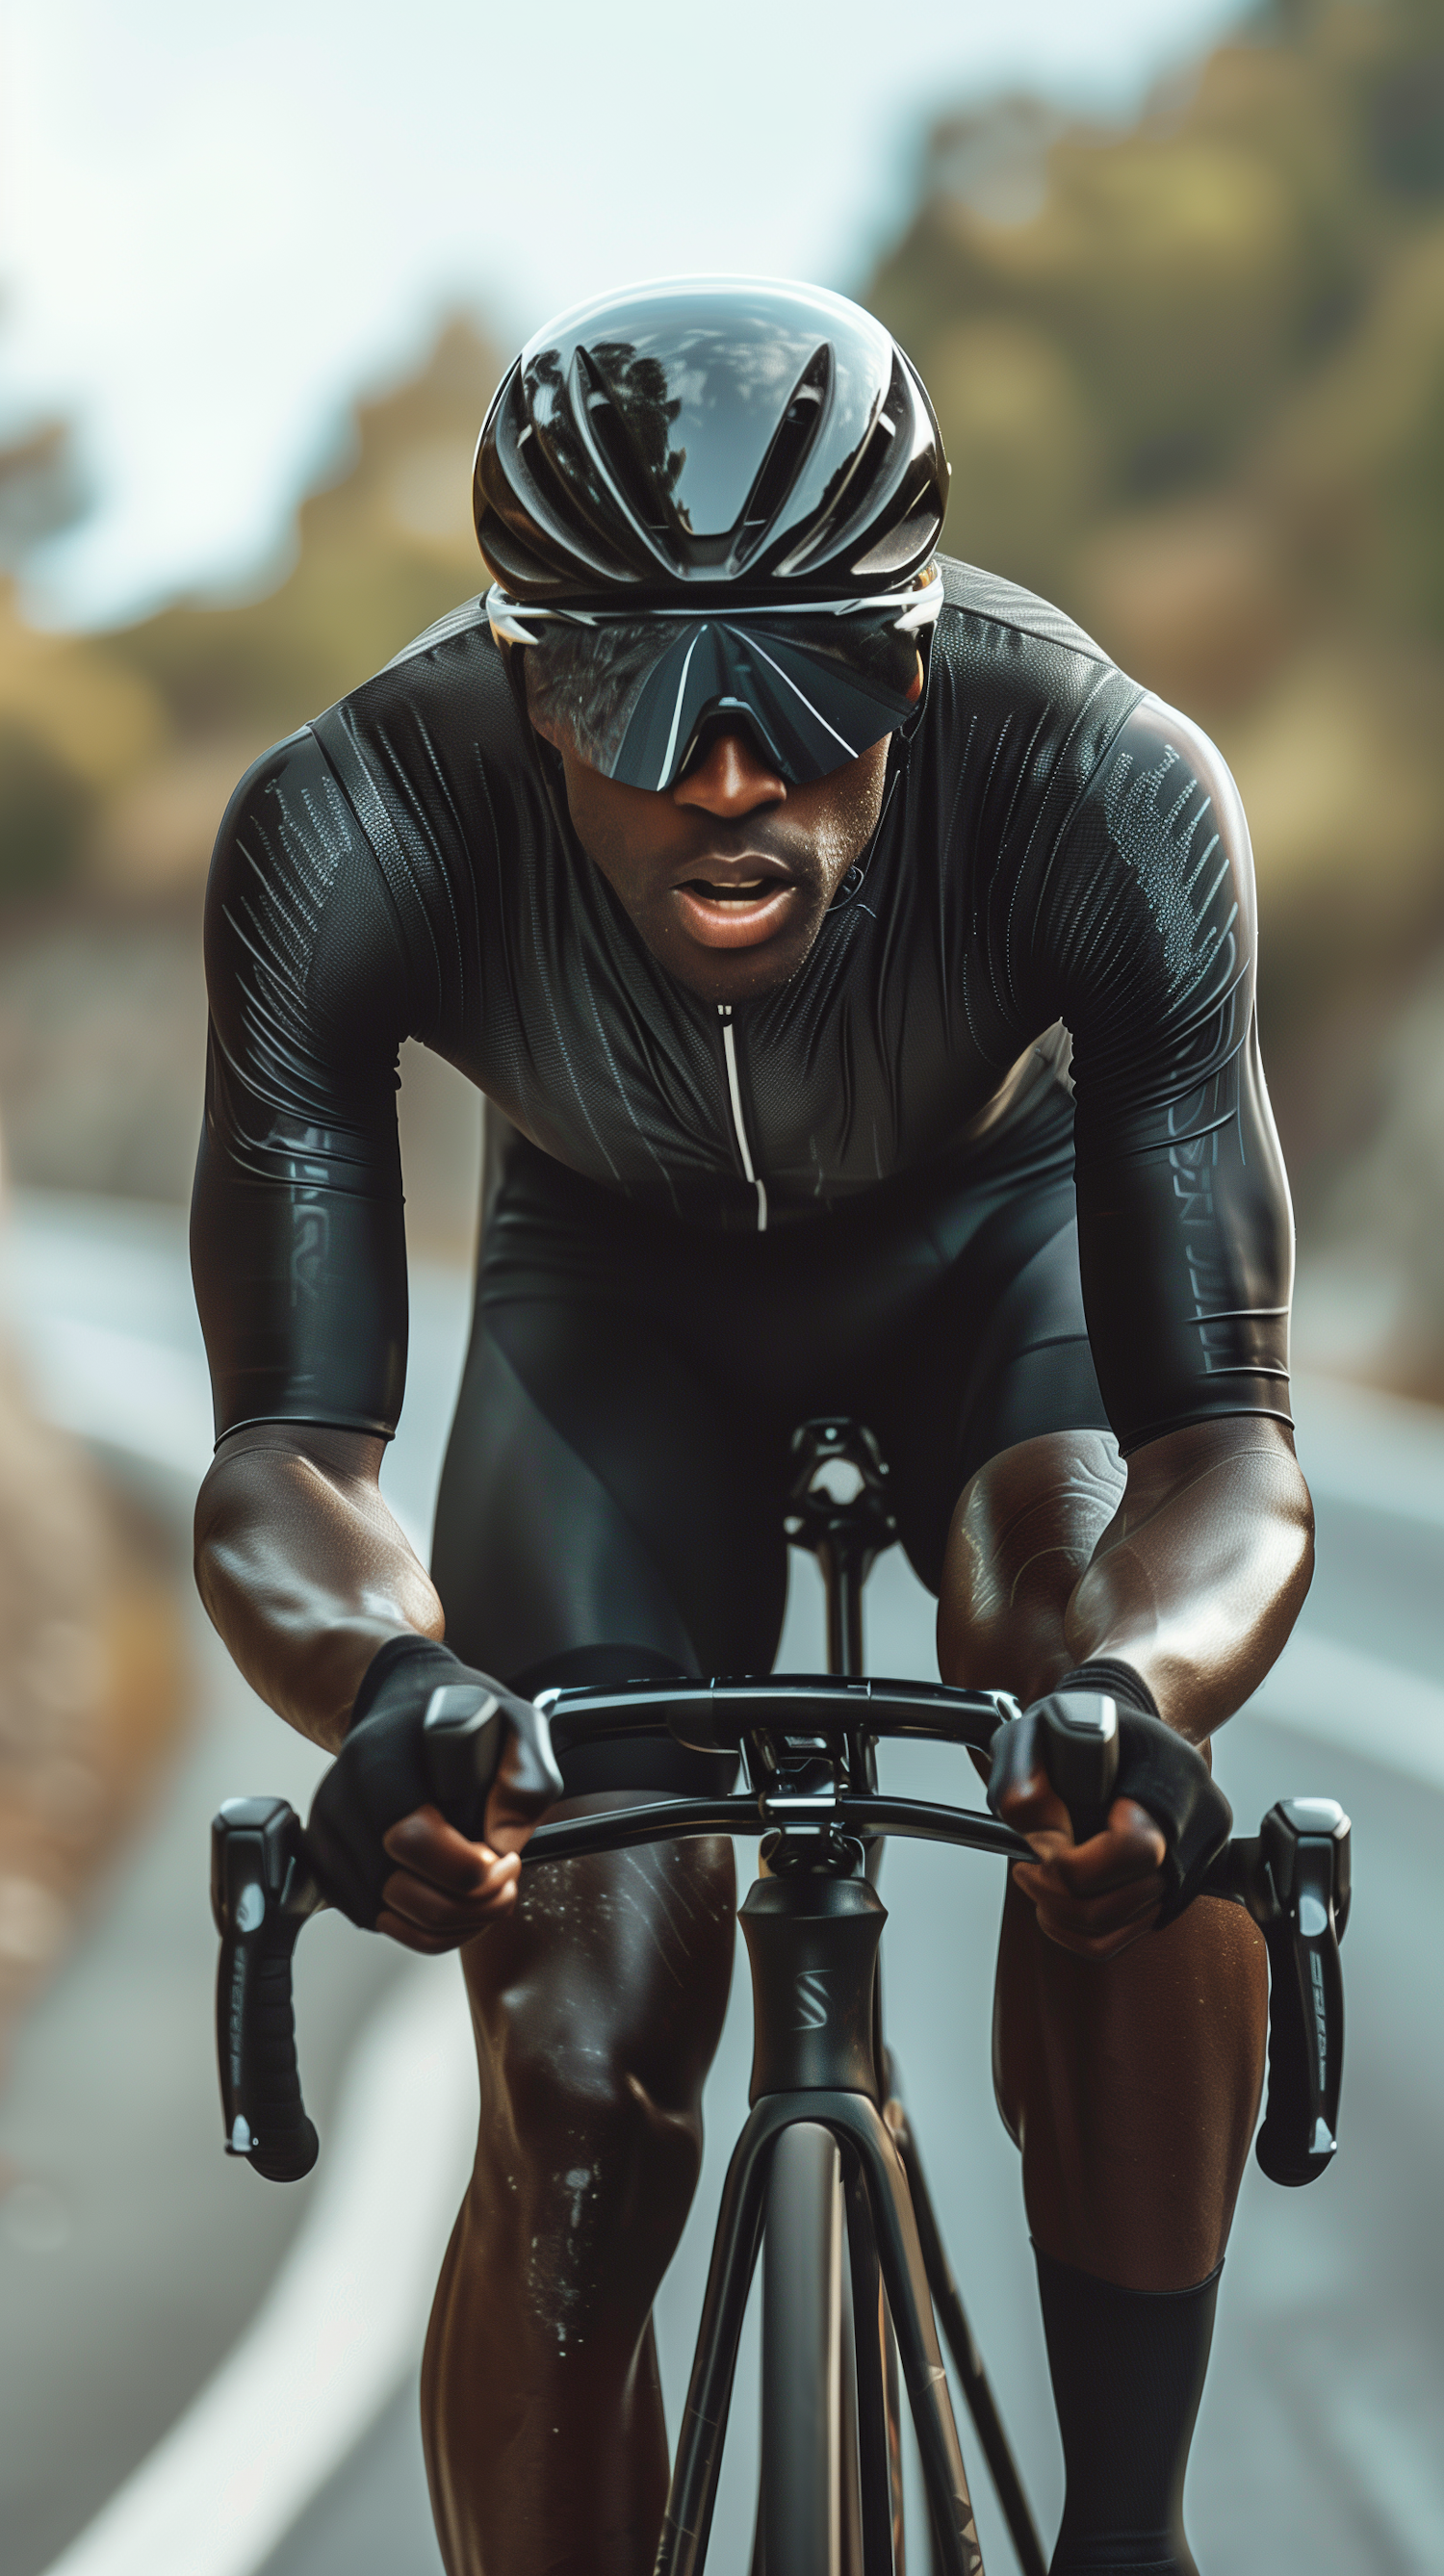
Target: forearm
(1199, 1577)
(303, 1570)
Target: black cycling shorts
(613, 1494)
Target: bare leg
(597, 2009)
(1131, 2085)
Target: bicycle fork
(812, 1940)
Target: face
(727, 875)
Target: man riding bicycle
(859, 970)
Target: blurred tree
(41, 490)
(45, 802)
(117, 755)
(382, 551)
(1192, 381)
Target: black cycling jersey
(1055, 848)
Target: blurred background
(1174, 273)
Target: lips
(737, 903)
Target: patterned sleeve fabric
(297, 1241)
(1144, 934)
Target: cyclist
(764, 870)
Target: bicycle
(827, 2132)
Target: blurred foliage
(1192, 382)
(117, 752)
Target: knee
(583, 2116)
(598, 2016)
(584, 2177)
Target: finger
(1097, 1868)
(1130, 1848)
(432, 1909)
(1131, 1844)
(1033, 1806)
(430, 1848)
(1051, 1882)
(509, 1823)
(431, 1939)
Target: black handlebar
(1293, 1878)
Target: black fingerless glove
(1158, 1769)
(382, 1771)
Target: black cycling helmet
(711, 503)
(731, 435)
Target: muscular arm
(1189, 1568)
(1190, 1565)
(298, 1251)
(303, 1570)
(1200, 1574)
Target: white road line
(341, 2324)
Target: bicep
(297, 1238)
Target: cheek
(848, 816)
(615, 835)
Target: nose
(732, 779)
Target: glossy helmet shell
(730, 436)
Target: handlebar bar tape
(261, 1894)
(1304, 1852)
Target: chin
(737, 974)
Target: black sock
(1128, 2369)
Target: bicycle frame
(820, 2069)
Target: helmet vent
(629, 422)
(877, 486)
(791, 446)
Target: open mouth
(737, 912)
(751, 890)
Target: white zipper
(729, 1049)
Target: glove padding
(381, 1772)
(1158, 1769)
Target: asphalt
(144, 2256)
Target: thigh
(602, 1513)
(1004, 1359)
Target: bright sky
(217, 224)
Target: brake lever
(263, 1889)
(1294, 1879)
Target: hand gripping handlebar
(1293, 1877)
(262, 1891)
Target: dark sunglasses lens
(631, 698)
